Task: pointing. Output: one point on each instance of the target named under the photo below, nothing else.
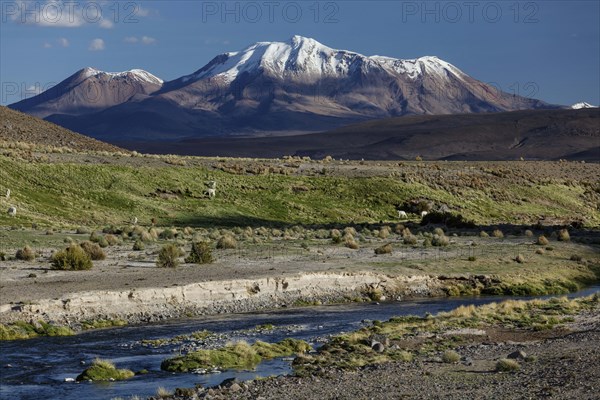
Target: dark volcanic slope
(16, 126)
(532, 134)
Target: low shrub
(520, 259)
(168, 256)
(72, 258)
(139, 245)
(25, 254)
(483, 234)
(576, 257)
(497, 233)
(201, 253)
(542, 240)
(93, 250)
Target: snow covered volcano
(299, 85)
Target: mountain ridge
(299, 85)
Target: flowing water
(37, 368)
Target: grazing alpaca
(402, 214)
(423, 213)
(7, 194)
(211, 193)
(12, 211)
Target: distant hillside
(531, 134)
(16, 126)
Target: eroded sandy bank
(220, 296)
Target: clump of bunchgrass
(139, 245)
(497, 233)
(507, 365)
(542, 240)
(450, 357)
(336, 236)
(440, 240)
(384, 232)
(410, 240)
(25, 254)
(72, 258)
(226, 242)
(385, 249)
(201, 253)
(93, 250)
(563, 235)
(168, 256)
(111, 239)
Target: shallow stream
(37, 368)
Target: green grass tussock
(104, 370)
(240, 355)
(23, 330)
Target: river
(37, 368)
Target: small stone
(517, 355)
(235, 387)
(378, 347)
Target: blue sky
(544, 49)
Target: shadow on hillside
(230, 221)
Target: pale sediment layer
(222, 296)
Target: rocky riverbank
(558, 363)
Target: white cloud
(106, 24)
(96, 45)
(46, 45)
(148, 40)
(212, 41)
(64, 42)
(142, 12)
